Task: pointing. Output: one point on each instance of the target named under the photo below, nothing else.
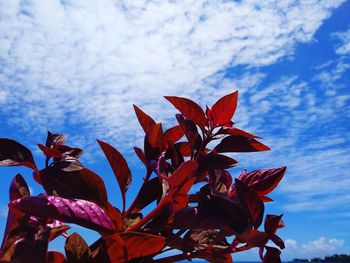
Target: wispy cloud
(343, 47)
(77, 63)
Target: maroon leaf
(141, 156)
(18, 188)
(55, 257)
(189, 109)
(175, 155)
(54, 139)
(236, 131)
(115, 248)
(252, 202)
(253, 237)
(25, 245)
(278, 241)
(174, 134)
(145, 120)
(154, 142)
(182, 173)
(119, 166)
(13, 153)
(181, 198)
(82, 184)
(142, 244)
(272, 255)
(236, 143)
(75, 211)
(149, 192)
(77, 250)
(191, 132)
(216, 161)
(222, 111)
(272, 223)
(263, 181)
(220, 180)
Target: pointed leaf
(75, 211)
(252, 202)
(145, 120)
(13, 153)
(189, 109)
(191, 132)
(174, 134)
(77, 250)
(82, 184)
(119, 166)
(263, 181)
(182, 173)
(142, 244)
(272, 223)
(236, 131)
(149, 192)
(18, 188)
(216, 161)
(154, 142)
(236, 143)
(223, 110)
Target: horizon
(77, 68)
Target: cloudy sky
(76, 67)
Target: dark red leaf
(191, 132)
(55, 257)
(174, 134)
(77, 250)
(189, 109)
(252, 202)
(145, 120)
(115, 248)
(154, 142)
(278, 241)
(18, 188)
(220, 180)
(75, 211)
(272, 255)
(222, 111)
(82, 184)
(119, 166)
(174, 154)
(141, 156)
(236, 131)
(13, 153)
(216, 161)
(54, 139)
(149, 192)
(25, 245)
(263, 181)
(236, 143)
(181, 198)
(182, 147)
(182, 173)
(142, 244)
(253, 237)
(272, 223)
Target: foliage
(198, 224)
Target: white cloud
(316, 248)
(344, 47)
(78, 63)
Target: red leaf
(180, 200)
(119, 166)
(278, 241)
(220, 180)
(263, 181)
(223, 110)
(142, 244)
(149, 192)
(18, 188)
(77, 250)
(145, 120)
(191, 132)
(182, 173)
(154, 142)
(174, 134)
(13, 153)
(272, 255)
(236, 131)
(252, 201)
(272, 223)
(116, 250)
(253, 237)
(82, 184)
(189, 109)
(216, 161)
(55, 257)
(236, 143)
(75, 211)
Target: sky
(76, 67)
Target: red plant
(196, 224)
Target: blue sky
(76, 67)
